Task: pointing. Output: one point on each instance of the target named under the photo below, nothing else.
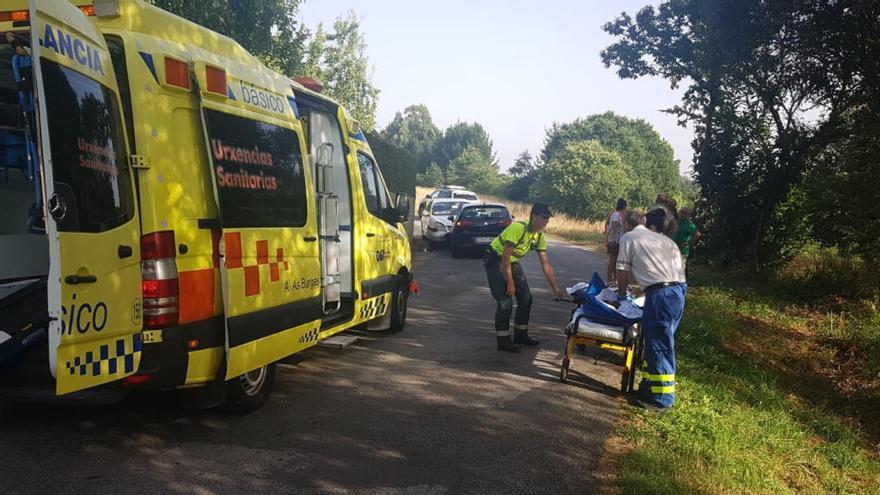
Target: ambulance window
(375, 192)
(117, 56)
(259, 172)
(89, 160)
(368, 178)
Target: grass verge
(760, 406)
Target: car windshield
(488, 213)
(465, 195)
(446, 208)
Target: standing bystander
(613, 232)
(686, 234)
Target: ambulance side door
(92, 221)
(270, 265)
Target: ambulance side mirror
(401, 210)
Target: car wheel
(456, 251)
(250, 391)
(399, 304)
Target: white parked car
(435, 219)
(447, 192)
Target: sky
(513, 66)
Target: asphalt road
(432, 410)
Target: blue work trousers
(662, 314)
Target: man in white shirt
(654, 261)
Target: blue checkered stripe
(114, 355)
(374, 307)
(309, 336)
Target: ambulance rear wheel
(399, 303)
(250, 391)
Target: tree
(583, 179)
(648, 155)
(768, 84)
(414, 131)
(472, 169)
(459, 137)
(522, 176)
(398, 166)
(339, 60)
(266, 28)
(432, 177)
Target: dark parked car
(476, 226)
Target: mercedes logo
(57, 207)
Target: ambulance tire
(250, 391)
(399, 304)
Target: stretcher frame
(633, 355)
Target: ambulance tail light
(88, 10)
(159, 284)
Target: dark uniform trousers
(662, 314)
(504, 303)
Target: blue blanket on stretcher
(591, 308)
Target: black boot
(507, 345)
(522, 337)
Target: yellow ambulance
(175, 215)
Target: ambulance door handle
(370, 234)
(80, 279)
(124, 251)
(310, 238)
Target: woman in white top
(613, 232)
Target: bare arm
(548, 272)
(508, 270)
(622, 282)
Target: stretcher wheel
(563, 373)
(636, 364)
(625, 380)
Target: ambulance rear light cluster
(159, 284)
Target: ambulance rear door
(92, 222)
(269, 253)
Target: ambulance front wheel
(250, 391)
(399, 303)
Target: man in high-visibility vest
(654, 261)
(507, 279)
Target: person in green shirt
(686, 234)
(507, 278)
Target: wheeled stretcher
(599, 324)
